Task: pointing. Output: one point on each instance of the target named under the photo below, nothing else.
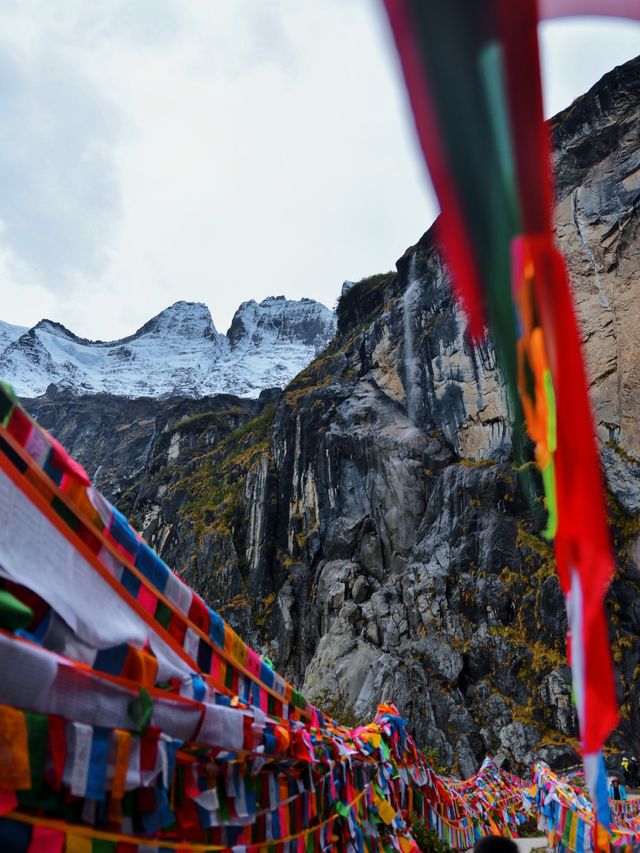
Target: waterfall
(411, 367)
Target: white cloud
(577, 52)
(210, 150)
(18, 285)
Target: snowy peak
(50, 327)
(273, 340)
(178, 351)
(278, 319)
(182, 319)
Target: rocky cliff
(367, 528)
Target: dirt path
(527, 844)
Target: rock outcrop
(368, 528)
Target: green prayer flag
(100, 845)
(7, 402)
(141, 710)
(38, 740)
(342, 810)
(13, 613)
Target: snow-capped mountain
(177, 352)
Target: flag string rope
(36, 496)
(90, 832)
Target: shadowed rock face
(368, 528)
(123, 443)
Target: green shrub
(426, 838)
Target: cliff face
(367, 528)
(123, 443)
(428, 586)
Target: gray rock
(372, 633)
(517, 741)
(340, 666)
(360, 591)
(440, 657)
(371, 555)
(555, 693)
(481, 653)
(350, 612)
(335, 595)
(623, 477)
(467, 762)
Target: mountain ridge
(177, 352)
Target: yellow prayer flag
(78, 844)
(385, 809)
(123, 747)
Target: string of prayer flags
(99, 750)
(188, 637)
(566, 814)
(133, 715)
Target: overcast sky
(215, 151)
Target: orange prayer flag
(14, 750)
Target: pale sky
(216, 151)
